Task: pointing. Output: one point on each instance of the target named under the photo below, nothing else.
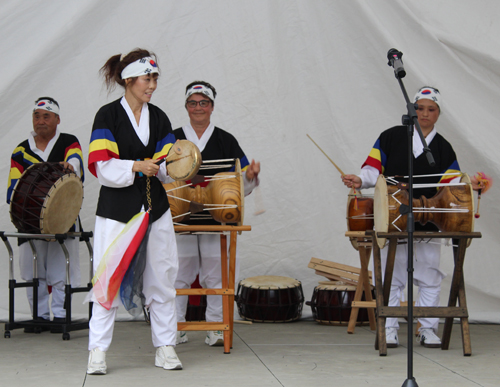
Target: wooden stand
(228, 283)
(363, 286)
(457, 290)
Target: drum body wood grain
(223, 198)
(451, 209)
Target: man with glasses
(200, 254)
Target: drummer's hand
(67, 165)
(147, 167)
(253, 170)
(351, 181)
(475, 183)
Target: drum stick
(338, 169)
(259, 203)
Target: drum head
(62, 205)
(381, 209)
(242, 192)
(269, 282)
(466, 179)
(337, 287)
(183, 160)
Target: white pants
(200, 254)
(159, 276)
(51, 271)
(426, 276)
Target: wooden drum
(270, 299)
(451, 209)
(223, 197)
(183, 160)
(46, 199)
(359, 214)
(331, 304)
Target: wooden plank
(364, 304)
(202, 326)
(204, 291)
(330, 270)
(338, 266)
(423, 311)
(336, 278)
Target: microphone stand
(410, 120)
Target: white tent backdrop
(282, 69)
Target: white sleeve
(75, 163)
(368, 176)
(163, 175)
(248, 186)
(115, 173)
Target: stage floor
(302, 353)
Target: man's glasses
(203, 103)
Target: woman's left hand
(253, 170)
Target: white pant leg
(210, 272)
(56, 273)
(159, 281)
(101, 327)
(189, 267)
(26, 271)
(102, 322)
(428, 278)
(399, 279)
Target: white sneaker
(182, 337)
(391, 337)
(167, 358)
(428, 338)
(214, 338)
(97, 362)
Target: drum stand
(457, 290)
(37, 324)
(363, 286)
(228, 282)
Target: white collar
(193, 137)
(45, 153)
(142, 129)
(418, 147)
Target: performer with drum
(129, 138)
(200, 254)
(47, 144)
(389, 156)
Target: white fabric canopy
(282, 69)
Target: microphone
(395, 61)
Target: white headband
(46, 104)
(429, 93)
(200, 89)
(140, 67)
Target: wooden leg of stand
(365, 260)
(362, 287)
(457, 292)
(464, 321)
(225, 298)
(232, 280)
(353, 318)
(380, 342)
